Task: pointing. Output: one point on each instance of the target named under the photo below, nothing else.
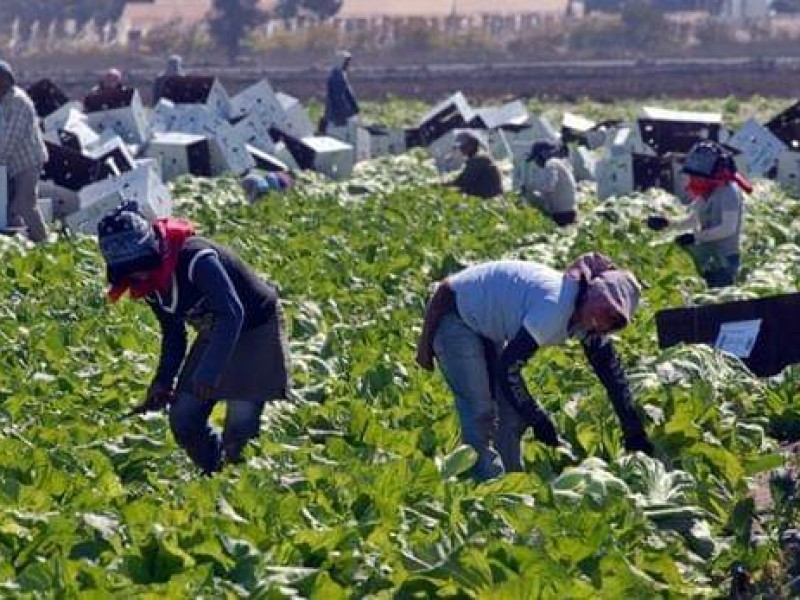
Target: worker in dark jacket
(340, 104)
(480, 176)
(484, 323)
(174, 69)
(239, 354)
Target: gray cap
(5, 69)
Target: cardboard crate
(494, 117)
(384, 141)
(666, 131)
(141, 185)
(257, 98)
(120, 111)
(73, 131)
(584, 163)
(57, 120)
(254, 130)
(295, 120)
(330, 156)
(180, 154)
(452, 113)
(195, 89)
(267, 162)
(614, 176)
(355, 135)
(789, 172)
(47, 97)
(786, 127)
(759, 147)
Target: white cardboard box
(179, 154)
(258, 97)
(614, 176)
(332, 157)
(75, 123)
(57, 119)
(295, 120)
(355, 135)
(584, 163)
(789, 172)
(385, 142)
(130, 123)
(254, 129)
(141, 185)
(759, 147)
(446, 156)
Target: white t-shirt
(495, 299)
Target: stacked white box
(493, 117)
(254, 130)
(112, 144)
(141, 185)
(179, 154)
(355, 135)
(332, 157)
(59, 118)
(74, 123)
(446, 155)
(130, 122)
(584, 163)
(65, 201)
(258, 98)
(386, 141)
(760, 148)
(228, 149)
(614, 176)
(295, 120)
(789, 172)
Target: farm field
(356, 489)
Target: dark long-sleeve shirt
(214, 291)
(480, 177)
(341, 103)
(604, 361)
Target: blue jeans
(716, 269)
(488, 423)
(188, 419)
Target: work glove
(685, 239)
(158, 398)
(657, 223)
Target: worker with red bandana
(715, 221)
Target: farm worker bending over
(552, 183)
(484, 323)
(480, 176)
(340, 104)
(715, 220)
(239, 354)
(23, 153)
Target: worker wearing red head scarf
(715, 221)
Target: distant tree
(322, 9)
(644, 25)
(231, 21)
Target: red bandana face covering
(700, 188)
(173, 234)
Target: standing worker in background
(174, 69)
(240, 353)
(480, 176)
(110, 81)
(552, 184)
(715, 221)
(23, 153)
(340, 103)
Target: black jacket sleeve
(509, 377)
(173, 346)
(608, 367)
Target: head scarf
(130, 244)
(608, 290)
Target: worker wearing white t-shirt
(484, 323)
